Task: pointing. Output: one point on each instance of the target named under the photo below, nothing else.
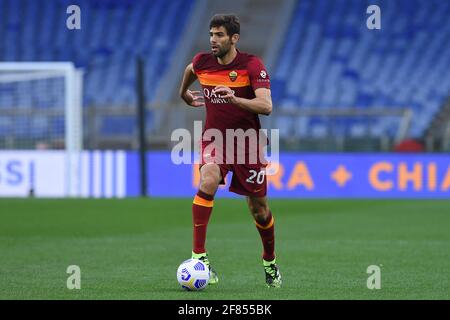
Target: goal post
(41, 108)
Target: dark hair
(229, 21)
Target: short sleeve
(196, 61)
(259, 78)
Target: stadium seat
(113, 33)
(330, 59)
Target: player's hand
(226, 93)
(193, 98)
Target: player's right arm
(192, 98)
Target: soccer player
(236, 89)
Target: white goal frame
(73, 99)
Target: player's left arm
(261, 104)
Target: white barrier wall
(43, 173)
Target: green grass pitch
(130, 249)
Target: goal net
(40, 109)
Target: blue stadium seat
(330, 59)
(113, 33)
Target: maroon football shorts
(248, 179)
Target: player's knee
(209, 183)
(209, 178)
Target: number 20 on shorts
(258, 175)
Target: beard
(222, 51)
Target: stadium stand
(330, 59)
(113, 33)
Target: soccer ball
(193, 274)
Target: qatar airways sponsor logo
(234, 146)
(214, 97)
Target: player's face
(220, 41)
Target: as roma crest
(233, 75)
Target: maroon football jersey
(243, 75)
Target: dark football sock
(201, 211)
